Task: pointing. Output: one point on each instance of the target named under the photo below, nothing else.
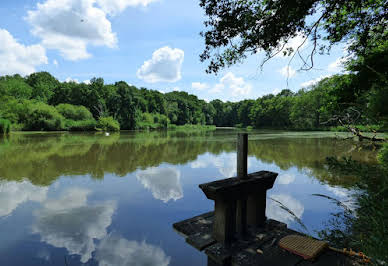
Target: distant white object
(107, 134)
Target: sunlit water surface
(73, 199)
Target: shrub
(108, 124)
(74, 112)
(5, 126)
(383, 155)
(153, 121)
(44, 117)
(84, 125)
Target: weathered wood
(238, 189)
(256, 206)
(232, 211)
(224, 221)
(241, 218)
(242, 155)
(243, 252)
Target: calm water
(73, 199)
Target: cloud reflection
(69, 222)
(226, 163)
(274, 211)
(285, 179)
(115, 250)
(164, 183)
(12, 194)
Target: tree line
(41, 102)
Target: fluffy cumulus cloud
(313, 81)
(70, 222)
(231, 86)
(16, 58)
(12, 194)
(199, 86)
(287, 71)
(164, 66)
(164, 183)
(274, 210)
(70, 25)
(113, 7)
(115, 250)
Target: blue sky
(147, 43)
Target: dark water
(72, 199)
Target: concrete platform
(244, 250)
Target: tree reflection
(42, 158)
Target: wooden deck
(244, 251)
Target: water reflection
(53, 170)
(163, 182)
(12, 194)
(70, 222)
(275, 211)
(115, 250)
(44, 158)
(285, 179)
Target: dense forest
(41, 102)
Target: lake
(74, 199)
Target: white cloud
(69, 79)
(55, 62)
(115, 250)
(163, 182)
(285, 179)
(12, 194)
(87, 82)
(70, 25)
(113, 7)
(16, 58)
(313, 81)
(293, 43)
(274, 211)
(69, 222)
(164, 66)
(276, 91)
(337, 65)
(199, 86)
(234, 86)
(287, 71)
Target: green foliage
(153, 121)
(191, 128)
(108, 124)
(81, 125)
(238, 28)
(383, 155)
(73, 112)
(43, 84)
(133, 108)
(15, 86)
(5, 126)
(41, 116)
(364, 228)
